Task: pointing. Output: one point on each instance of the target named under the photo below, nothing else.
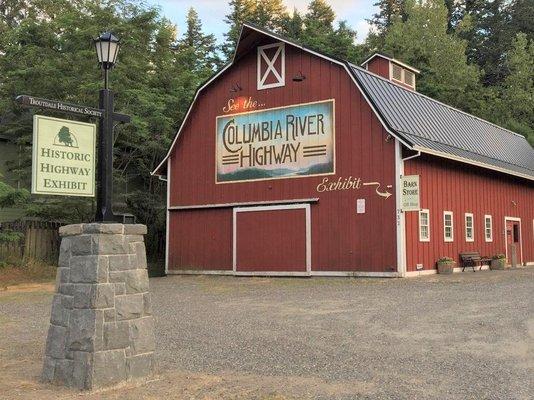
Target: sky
(212, 13)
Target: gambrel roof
(418, 121)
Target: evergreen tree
(517, 99)
(293, 25)
(320, 33)
(422, 41)
(269, 14)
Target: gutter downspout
(410, 157)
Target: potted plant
(498, 261)
(446, 265)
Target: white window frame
(490, 238)
(445, 238)
(280, 75)
(472, 238)
(427, 212)
(403, 78)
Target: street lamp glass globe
(107, 47)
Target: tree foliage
(46, 51)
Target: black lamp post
(107, 47)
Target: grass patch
(14, 272)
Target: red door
(513, 242)
(271, 239)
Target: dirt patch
(26, 271)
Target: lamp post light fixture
(107, 47)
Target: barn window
(488, 228)
(409, 78)
(402, 75)
(271, 66)
(448, 228)
(469, 229)
(424, 226)
(396, 72)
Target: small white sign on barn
(410, 193)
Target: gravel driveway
(465, 336)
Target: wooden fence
(40, 240)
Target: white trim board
(200, 272)
(244, 204)
(167, 221)
(357, 274)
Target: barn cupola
(392, 69)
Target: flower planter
(446, 267)
(498, 264)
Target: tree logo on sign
(65, 138)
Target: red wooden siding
(451, 186)
(273, 240)
(201, 239)
(379, 66)
(341, 239)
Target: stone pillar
(101, 326)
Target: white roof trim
(393, 60)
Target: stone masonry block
(99, 330)
(66, 288)
(82, 369)
(49, 365)
(109, 315)
(136, 280)
(133, 238)
(129, 306)
(103, 228)
(55, 341)
(88, 295)
(116, 335)
(135, 229)
(140, 366)
(147, 303)
(59, 314)
(109, 367)
(109, 244)
(121, 262)
(88, 269)
(81, 245)
(63, 372)
(64, 252)
(70, 230)
(120, 288)
(138, 248)
(142, 335)
(82, 327)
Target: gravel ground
(465, 336)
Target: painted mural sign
(63, 158)
(410, 199)
(285, 142)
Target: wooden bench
(472, 259)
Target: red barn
(291, 162)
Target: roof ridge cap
(437, 101)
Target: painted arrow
(385, 194)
